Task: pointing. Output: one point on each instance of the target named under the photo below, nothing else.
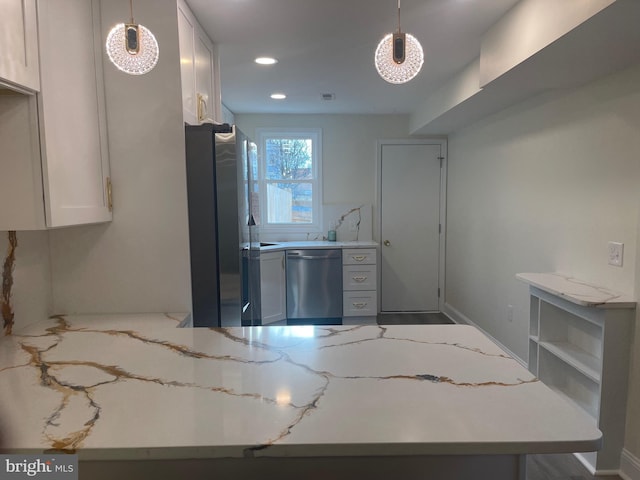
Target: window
(289, 180)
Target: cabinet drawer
(357, 304)
(359, 277)
(359, 256)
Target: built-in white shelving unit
(579, 343)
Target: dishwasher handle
(310, 257)
(331, 254)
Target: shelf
(582, 361)
(579, 346)
(579, 342)
(574, 403)
(570, 382)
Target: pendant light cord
(131, 9)
(398, 16)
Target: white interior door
(410, 185)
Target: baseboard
(591, 469)
(629, 466)
(457, 317)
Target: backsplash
(30, 276)
(352, 222)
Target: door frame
(442, 142)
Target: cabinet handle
(359, 279)
(358, 258)
(109, 195)
(360, 305)
(202, 108)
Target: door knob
(387, 243)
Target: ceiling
(327, 46)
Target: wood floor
(559, 467)
(539, 467)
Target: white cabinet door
(272, 287)
(199, 70)
(72, 113)
(59, 165)
(205, 97)
(21, 202)
(187, 63)
(19, 45)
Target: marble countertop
(577, 291)
(136, 387)
(316, 244)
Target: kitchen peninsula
(137, 397)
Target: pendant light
(132, 48)
(399, 56)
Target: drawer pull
(358, 258)
(359, 279)
(360, 305)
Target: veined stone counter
(577, 291)
(135, 387)
(315, 244)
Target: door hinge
(441, 159)
(439, 228)
(438, 292)
(109, 195)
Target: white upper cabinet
(199, 71)
(57, 160)
(19, 46)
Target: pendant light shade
(132, 48)
(399, 56)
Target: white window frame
(315, 134)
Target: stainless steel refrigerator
(223, 240)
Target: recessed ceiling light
(278, 96)
(265, 60)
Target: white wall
(31, 292)
(632, 440)
(140, 261)
(348, 148)
(527, 28)
(543, 186)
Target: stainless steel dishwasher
(314, 286)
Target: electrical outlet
(615, 251)
(509, 313)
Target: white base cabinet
(359, 284)
(19, 46)
(55, 159)
(582, 352)
(273, 289)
